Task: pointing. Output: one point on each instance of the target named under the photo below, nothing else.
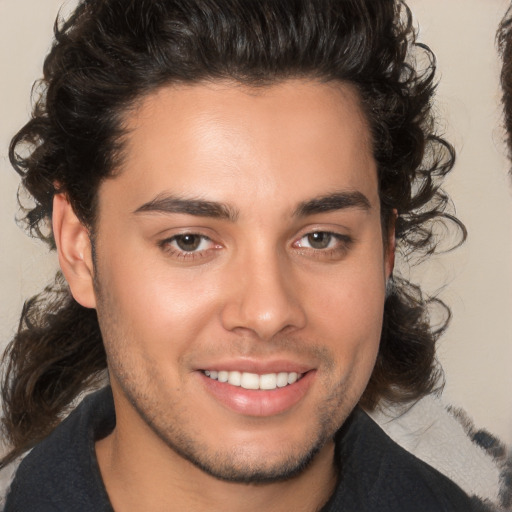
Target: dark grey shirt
(375, 474)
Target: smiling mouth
(253, 381)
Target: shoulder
(6, 477)
(446, 439)
(61, 472)
(377, 474)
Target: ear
(390, 245)
(74, 250)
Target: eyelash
(342, 245)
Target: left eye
(189, 242)
(319, 240)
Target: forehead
(238, 143)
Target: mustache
(287, 347)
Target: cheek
(348, 311)
(156, 309)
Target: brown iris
(188, 242)
(319, 240)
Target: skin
(251, 288)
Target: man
(228, 184)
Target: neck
(155, 478)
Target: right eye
(189, 242)
(187, 245)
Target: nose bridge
(264, 299)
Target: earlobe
(74, 250)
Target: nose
(263, 298)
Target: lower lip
(259, 402)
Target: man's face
(241, 239)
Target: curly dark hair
(110, 53)
(504, 39)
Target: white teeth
(282, 379)
(235, 378)
(250, 381)
(268, 381)
(247, 380)
(292, 377)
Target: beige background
(476, 351)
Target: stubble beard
(231, 465)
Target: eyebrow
(333, 202)
(197, 207)
(202, 208)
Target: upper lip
(261, 367)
